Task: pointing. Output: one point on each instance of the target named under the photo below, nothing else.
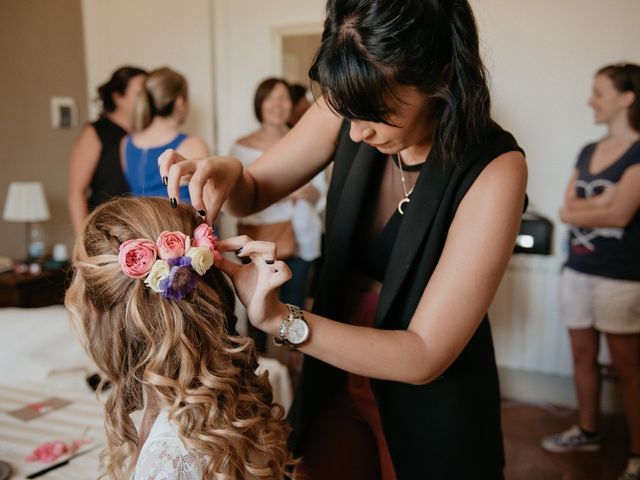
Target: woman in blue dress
(161, 109)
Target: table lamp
(26, 203)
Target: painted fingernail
(174, 202)
(239, 251)
(202, 213)
(269, 262)
(165, 180)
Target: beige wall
(244, 40)
(298, 52)
(41, 58)
(153, 33)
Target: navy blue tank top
(607, 252)
(142, 172)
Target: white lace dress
(164, 457)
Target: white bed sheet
(36, 343)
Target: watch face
(298, 331)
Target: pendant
(401, 203)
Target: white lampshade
(26, 203)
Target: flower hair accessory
(169, 265)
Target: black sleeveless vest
(449, 428)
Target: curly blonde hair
(185, 353)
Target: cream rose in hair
(201, 259)
(159, 272)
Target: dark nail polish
(239, 251)
(202, 213)
(174, 202)
(269, 262)
(165, 180)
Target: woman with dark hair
(600, 287)
(424, 205)
(94, 164)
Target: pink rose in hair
(203, 236)
(137, 257)
(172, 245)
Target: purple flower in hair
(181, 280)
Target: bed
(41, 359)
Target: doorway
(294, 49)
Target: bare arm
(83, 162)
(573, 202)
(442, 325)
(194, 147)
(292, 162)
(616, 209)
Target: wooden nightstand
(26, 290)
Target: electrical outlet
(63, 112)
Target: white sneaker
(632, 472)
(572, 440)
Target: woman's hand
(256, 282)
(211, 180)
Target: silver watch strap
(283, 341)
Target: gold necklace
(406, 198)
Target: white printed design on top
(583, 237)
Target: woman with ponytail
(425, 202)
(155, 313)
(600, 284)
(95, 173)
(161, 109)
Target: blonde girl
(156, 316)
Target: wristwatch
(294, 329)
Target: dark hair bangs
(352, 85)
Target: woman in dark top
(426, 195)
(95, 173)
(600, 284)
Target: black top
(108, 180)
(371, 253)
(607, 252)
(449, 428)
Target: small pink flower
(203, 236)
(172, 245)
(48, 452)
(137, 257)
